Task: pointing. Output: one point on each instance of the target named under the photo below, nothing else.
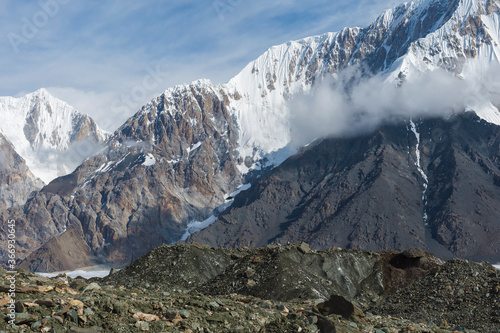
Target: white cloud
(337, 109)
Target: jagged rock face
(464, 186)
(38, 220)
(16, 180)
(368, 192)
(379, 45)
(171, 163)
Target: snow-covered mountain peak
(42, 128)
(415, 37)
(41, 93)
(464, 41)
(419, 36)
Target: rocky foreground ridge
(196, 288)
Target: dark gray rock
(16, 181)
(366, 192)
(414, 253)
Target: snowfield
(87, 274)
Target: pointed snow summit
(48, 133)
(459, 36)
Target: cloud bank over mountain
(349, 104)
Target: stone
(30, 304)
(173, 316)
(198, 245)
(249, 273)
(340, 306)
(72, 315)
(46, 302)
(74, 329)
(184, 313)
(63, 277)
(36, 325)
(120, 307)
(45, 289)
(25, 318)
(326, 325)
(88, 311)
(283, 309)
(142, 325)
(19, 307)
(414, 253)
(64, 310)
(145, 317)
(63, 289)
(496, 289)
(78, 284)
(92, 287)
(266, 304)
(76, 303)
(214, 305)
(20, 290)
(304, 248)
(5, 301)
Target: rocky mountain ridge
(16, 180)
(433, 185)
(183, 153)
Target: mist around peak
(349, 103)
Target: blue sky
(107, 58)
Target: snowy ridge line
(258, 96)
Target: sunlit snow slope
(49, 134)
(460, 36)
